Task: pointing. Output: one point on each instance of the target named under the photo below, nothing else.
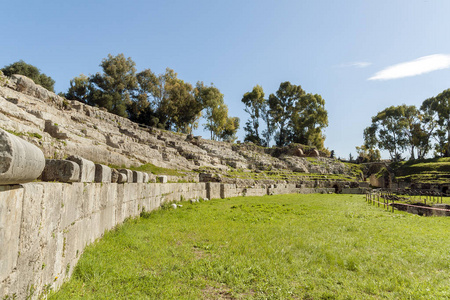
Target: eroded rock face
(65, 127)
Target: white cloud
(357, 64)
(415, 67)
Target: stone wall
(45, 226)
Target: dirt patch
(211, 292)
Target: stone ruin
(53, 203)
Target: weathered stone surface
(106, 138)
(146, 177)
(128, 174)
(114, 175)
(54, 130)
(162, 179)
(20, 161)
(299, 152)
(212, 190)
(61, 170)
(10, 222)
(122, 178)
(138, 177)
(209, 177)
(27, 86)
(87, 168)
(102, 173)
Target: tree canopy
(309, 118)
(32, 72)
(291, 115)
(254, 105)
(282, 106)
(163, 100)
(438, 109)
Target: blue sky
(350, 52)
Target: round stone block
(20, 161)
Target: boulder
(114, 175)
(299, 152)
(87, 168)
(102, 173)
(128, 174)
(138, 177)
(27, 86)
(146, 177)
(61, 170)
(161, 179)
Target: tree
(270, 126)
(32, 72)
(167, 101)
(308, 119)
(439, 108)
(419, 126)
(216, 112)
(80, 89)
(115, 86)
(180, 107)
(229, 131)
(350, 157)
(254, 105)
(366, 154)
(282, 106)
(332, 154)
(388, 132)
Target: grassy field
(271, 247)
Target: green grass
(288, 175)
(30, 134)
(151, 168)
(436, 170)
(271, 247)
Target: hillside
(432, 171)
(62, 127)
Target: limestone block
(161, 179)
(54, 130)
(61, 170)
(107, 218)
(146, 177)
(102, 173)
(51, 238)
(127, 173)
(29, 263)
(10, 222)
(138, 176)
(87, 168)
(71, 203)
(122, 178)
(212, 190)
(114, 175)
(20, 161)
